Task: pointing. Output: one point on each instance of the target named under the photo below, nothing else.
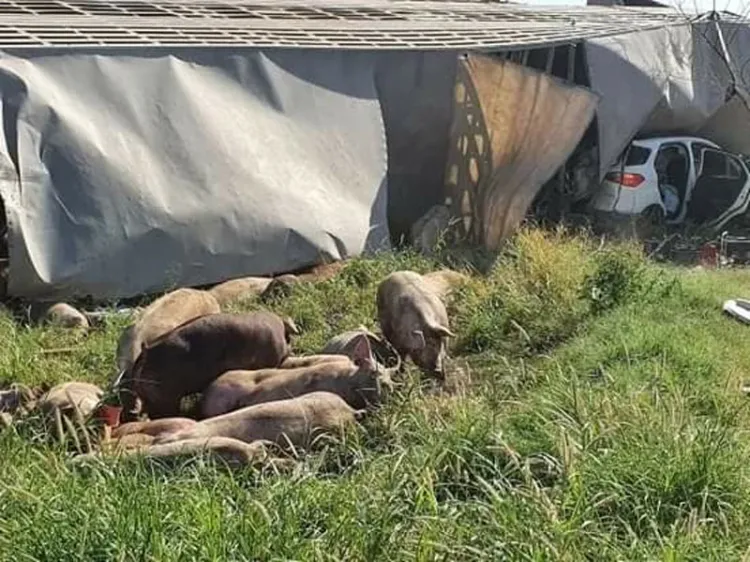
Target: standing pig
(297, 421)
(414, 320)
(186, 360)
(160, 317)
(358, 381)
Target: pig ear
(442, 331)
(362, 351)
(370, 335)
(419, 335)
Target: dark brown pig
(297, 421)
(359, 382)
(414, 320)
(186, 360)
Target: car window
(669, 152)
(734, 170)
(721, 166)
(714, 165)
(717, 188)
(697, 148)
(637, 155)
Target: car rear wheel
(651, 221)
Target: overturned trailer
(147, 145)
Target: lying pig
(162, 316)
(186, 360)
(296, 421)
(414, 320)
(322, 272)
(299, 361)
(16, 398)
(222, 395)
(128, 442)
(280, 286)
(357, 381)
(71, 396)
(345, 344)
(60, 314)
(235, 289)
(232, 451)
(152, 427)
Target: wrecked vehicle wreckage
(672, 180)
(171, 161)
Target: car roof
(653, 142)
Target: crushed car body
(673, 180)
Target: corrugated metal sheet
(374, 24)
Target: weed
(599, 418)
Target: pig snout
(430, 357)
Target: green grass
(597, 416)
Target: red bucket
(110, 415)
(708, 255)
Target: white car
(673, 179)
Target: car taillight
(626, 179)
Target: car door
(740, 204)
(721, 188)
(696, 155)
(674, 153)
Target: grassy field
(596, 414)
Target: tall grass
(598, 416)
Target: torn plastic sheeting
(729, 127)
(534, 122)
(663, 81)
(136, 174)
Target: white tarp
(130, 174)
(668, 80)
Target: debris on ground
(738, 308)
